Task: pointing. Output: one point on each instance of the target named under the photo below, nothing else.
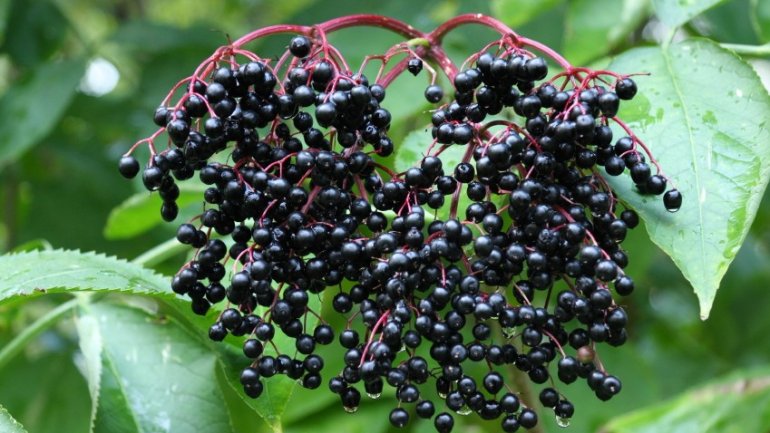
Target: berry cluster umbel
(525, 278)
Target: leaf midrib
(696, 167)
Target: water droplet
(509, 332)
(351, 409)
(562, 422)
(465, 410)
(373, 395)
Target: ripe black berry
(414, 66)
(672, 199)
(433, 93)
(300, 46)
(128, 167)
(625, 88)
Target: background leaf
(153, 376)
(760, 15)
(594, 27)
(37, 272)
(738, 403)
(141, 212)
(64, 406)
(517, 12)
(36, 105)
(674, 13)
(35, 31)
(713, 144)
(8, 424)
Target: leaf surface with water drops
(706, 116)
(147, 374)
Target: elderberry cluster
(442, 301)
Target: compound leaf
(705, 114)
(36, 272)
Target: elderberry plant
(294, 152)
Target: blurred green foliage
(59, 143)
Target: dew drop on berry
(465, 410)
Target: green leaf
(674, 13)
(594, 27)
(38, 272)
(727, 22)
(739, 403)
(146, 374)
(760, 16)
(517, 12)
(141, 212)
(8, 424)
(705, 114)
(35, 30)
(33, 106)
(45, 390)
(413, 148)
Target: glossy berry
(414, 66)
(300, 46)
(444, 422)
(399, 417)
(625, 88)
(434, 93)
(128, 167)
(672, 199)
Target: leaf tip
(705, 301)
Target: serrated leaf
(152, 375)
(141, 212)
(594, 27)
(33, 106)
(8, 424)
(705, 114)
(517, 12)
(674, 13)
(37, 272)
(739, 403)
